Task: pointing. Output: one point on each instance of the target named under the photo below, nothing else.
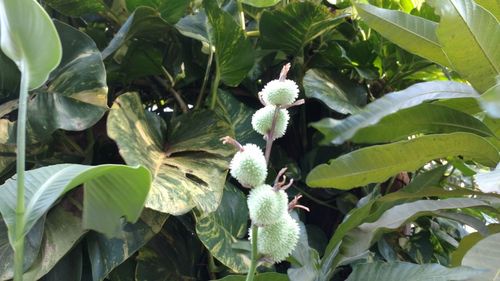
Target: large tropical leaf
(111, 192)
(493, 6)
(393, 102)
(32, 44)
(379, 271)
(470, 37)
(261, 3)
(415, 34)
(293, 27)
(378, 163)
(77, 8)
(422, 119)
(170, 10)
(468, 242)
(342, 96)
(189, 164)
(486, 255)
(234, 54)
(490, 101)
(221, 229)
(267, 276)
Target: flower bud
(249, 166)
(262, 121)
(277, 241)
(278, 92)
(267, 206)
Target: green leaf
(107, 253)
(268, 276)
(111, 192)
(173, 254)
(10, 78)
(470, 37)
(234, 54)
(378, 163)
(24, 40)
(490, 101)
(70, 267)
(468, 242)
(393, 102)
(77, 8)
(486, 255)
(260, 3)
(170, 10)
(189, 164)
(421, 119)
(194, 26)
(342, 96)
(493, 6)
(379, 271)
(414, 34)
(144, 22)
(292, 28)
(221, 229)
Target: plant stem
(241, 13)
(199, 100)
(215, 86)
(253, 33)
(20, 167)
(253, 263)
(270, 135)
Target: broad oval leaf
(486, 255)
(32, 44)
(342, 96)
(421, 119)
(111, 192)
(378, 163)
(292, 28)
(189, 165)
(415, 34)
(396, 271)
(470, 37)
(221, 229)
(393, 102)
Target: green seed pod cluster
(262, 121)
(277, 241)
(249, 166)
(267, 206)
(278, 92)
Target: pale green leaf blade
(468, 242)
(393, 102)
(219, 230)
(189, 164)
(378, 163)
(485, 255)
(32, 44)
(470, 37)
(493, 6)
(489, 181)
(379, 271)
(261, 3)
(490, 101)
(414, 34)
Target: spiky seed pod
(262, 121)
(267, 206)
(249, 166)
(278, 92)
(277, 241)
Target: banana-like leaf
(378, 163)
(111, 192)
(468, 242)
(490, 101)
(493, 6)
(393, 102)
(221, 229)
(470, 37)
(485, 254)
(28, 37)
(414, 34)
(189, 164)
(379, 271)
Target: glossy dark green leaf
(292, 28)
(221, 229)
(10, 77)
(470, 37)
(421, 119)
(234, 54)
(393, 102)
(174, 254)
(77, 8)
(268, 276)
(378, 163)
(194, 26)
(379, 271)
(338, 94)
(260, 3)
(107, 253)
(170, 10)
(189, 164)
